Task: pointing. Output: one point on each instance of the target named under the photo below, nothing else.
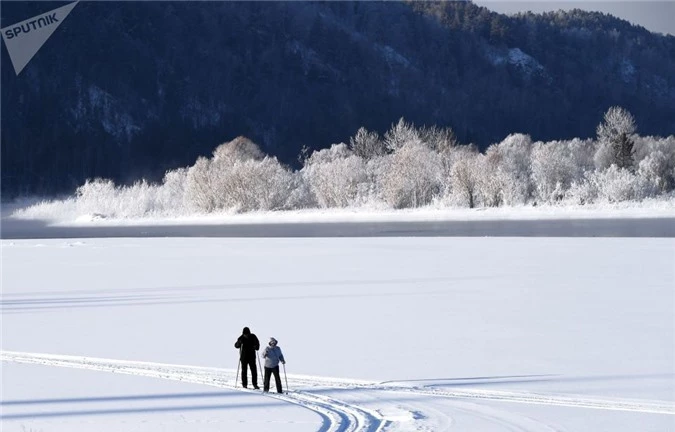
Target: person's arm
(237, 344)
(256, 343)
(281, 356)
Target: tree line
(407, 167)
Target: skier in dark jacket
(273, 355)
(248, 344)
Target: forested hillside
(128, 90)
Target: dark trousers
(244, 373)
(277, 378)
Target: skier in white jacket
(273, 355)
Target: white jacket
(273, 356)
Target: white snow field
(379, 334)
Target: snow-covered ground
(380, 334)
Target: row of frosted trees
(408, 167)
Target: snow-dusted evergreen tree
(615, 138)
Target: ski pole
(236, 377)
(285, 378)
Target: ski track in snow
(341, 416)
(336, 416)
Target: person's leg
(266, 381)
(244, 373)
(254, 373)
(277, 378)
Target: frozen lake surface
(380, 333)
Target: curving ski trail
(573, 401)
(349, 413)
(336, 416)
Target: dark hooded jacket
(249, 344)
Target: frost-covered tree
(657, 170)
(611, 185)
(103, 198)
(655, 157)
(199, 193)
(239, 177)
(465, 178)
(97, 196)
(400, 134)
(413, 176)
(330, 154)
(582, 153)
(491, 181)
(367, 144)
(257, 185)
(240, 148)
(615, 138)
(511, 160)
(242, 178)
(438, 139)
(336, 177)
(552, 170)
(619, 184)
(376, 171)
(172, 194)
